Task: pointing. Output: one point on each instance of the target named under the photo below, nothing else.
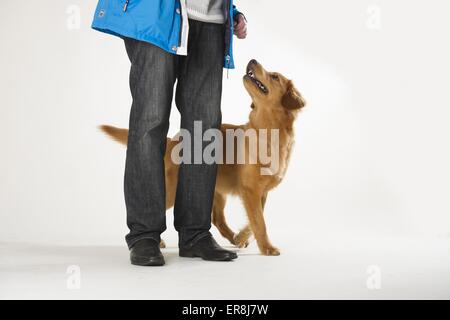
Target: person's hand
(240, 26)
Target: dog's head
(271, 89)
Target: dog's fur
(275, 106)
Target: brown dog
(275, 105)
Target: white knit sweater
(211, 11)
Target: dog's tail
(118, 134)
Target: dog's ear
(292, 99)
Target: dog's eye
(274, 77)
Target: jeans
(198, 78)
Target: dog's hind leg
(218, 217)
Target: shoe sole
(145, 262)
(192, 255)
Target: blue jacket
(155, 21)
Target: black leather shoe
(207, 249)
(146, 252)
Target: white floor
(317, 269)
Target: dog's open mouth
(251, 75)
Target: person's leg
(152, 79)
(198, 97)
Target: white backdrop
(372, 148)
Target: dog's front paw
(270, 251)
(162, 244)
(241, 240)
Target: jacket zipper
(228, 35)
(125, 7)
